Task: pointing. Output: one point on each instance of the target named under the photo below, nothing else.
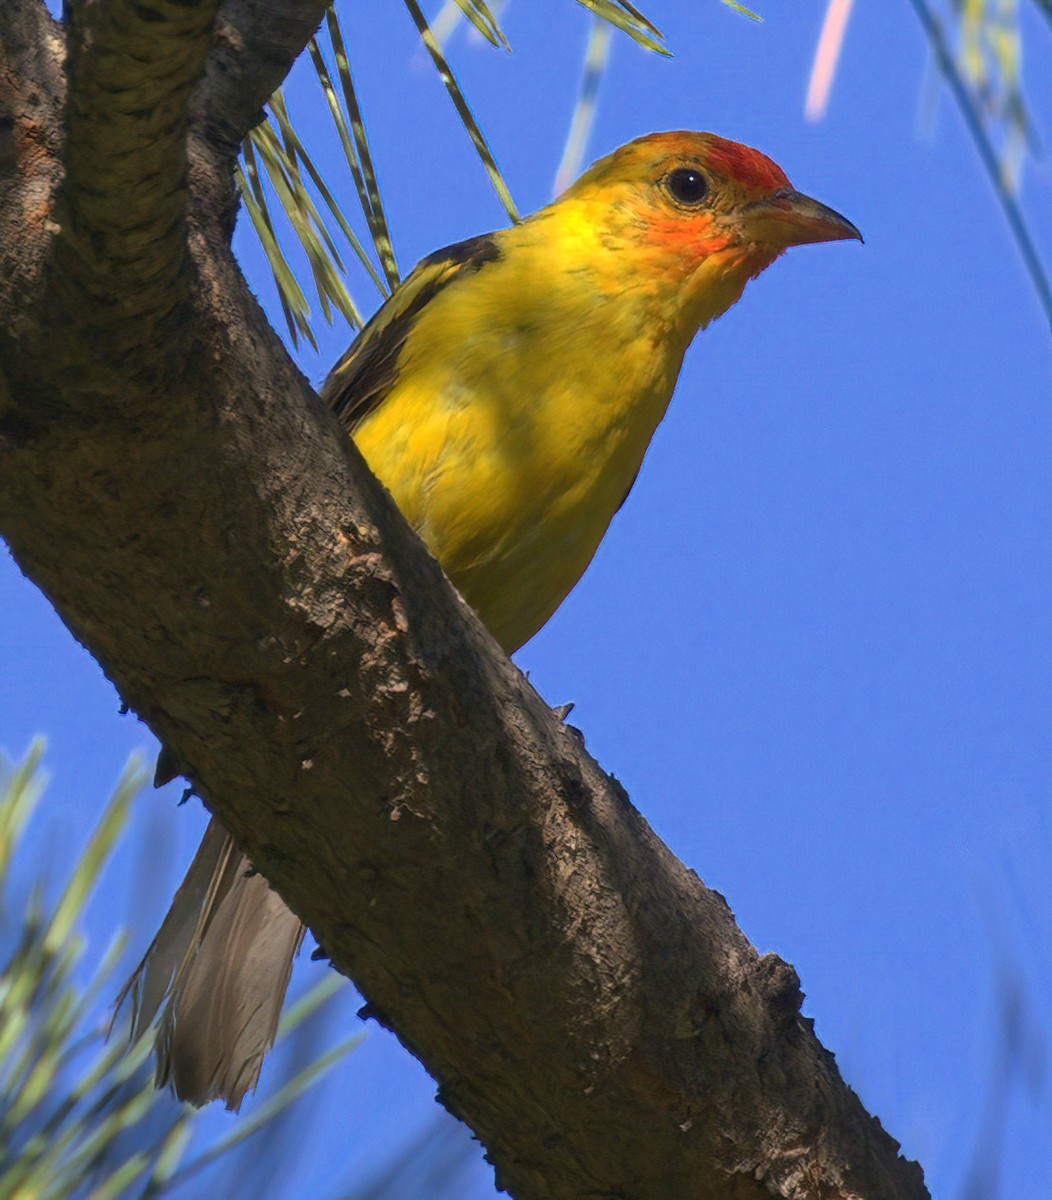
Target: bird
(505, 394)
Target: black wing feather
(364, 376)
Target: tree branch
(585, 1003)
(132, 65)
(256, 43)
(32, 91)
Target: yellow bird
(506, 395)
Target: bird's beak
(790, 218)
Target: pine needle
(596, 58)
(357, 152)
(80, 1117)
(630, 20)
(740, 8)
(480, 16)
(827, 58)
(973, 119)
(463, 110)
(290, 295)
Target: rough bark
(255, 44)
(171, 483)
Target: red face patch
(745, 165)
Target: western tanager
(506, 395)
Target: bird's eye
(687, 185)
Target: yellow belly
(511, 494)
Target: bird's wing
(364, 376)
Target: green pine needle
(79, 1116)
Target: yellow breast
(522, 410)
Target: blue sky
(816, 644)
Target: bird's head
(699, 215)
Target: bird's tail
(222, 960)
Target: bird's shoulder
(365, 375)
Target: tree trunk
(172, 484)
